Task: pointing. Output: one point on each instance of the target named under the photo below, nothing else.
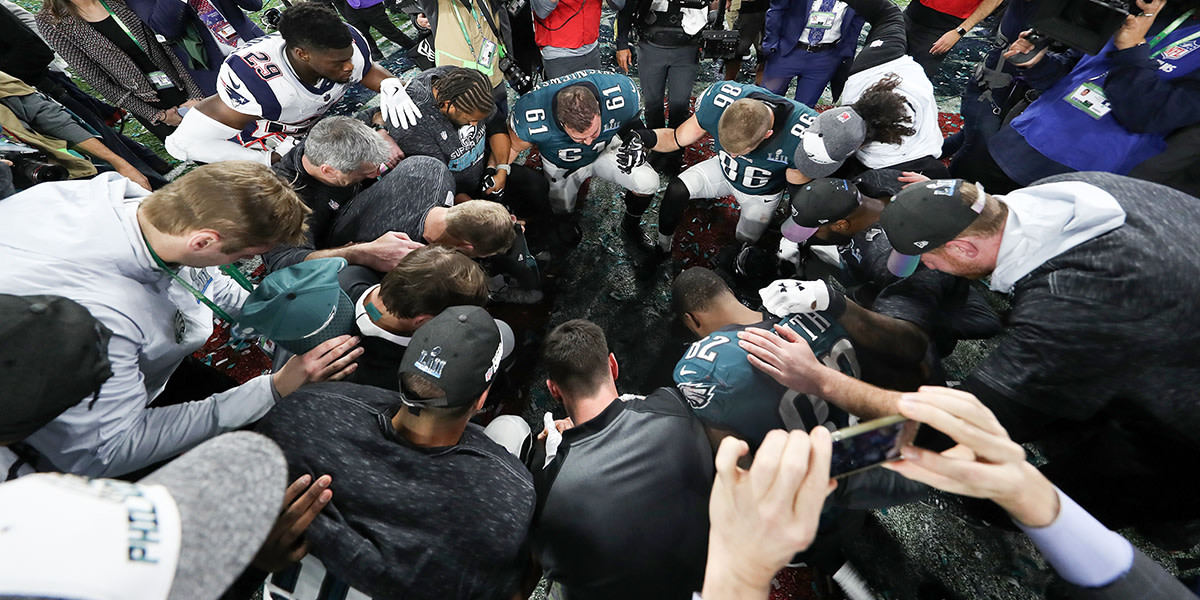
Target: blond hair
(743, 126)
(484, 224)
(243, 201)
(990, 220)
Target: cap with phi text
(184, 532)
(924, 216)
(818, 203)
(459, 351)
(834, 135)
(300, 306)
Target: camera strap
(1168, 30)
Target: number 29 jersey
(533, 118)
(727, 392)
(258, 80)
(763, 170)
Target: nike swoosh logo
(685, 371)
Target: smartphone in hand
(868, 445)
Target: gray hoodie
(1047, 220)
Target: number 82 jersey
(533, 118)
(763, 170)
(729, 393)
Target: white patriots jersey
(258, 80)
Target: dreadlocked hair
(886, 112)
(467, 90)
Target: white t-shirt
(259, 80)
(918, 91)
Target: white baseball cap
(185, 531)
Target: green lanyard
(227, 269)
(467, 37)
(123, 28)
(1170, 28)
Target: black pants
(363, 19)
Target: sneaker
(632, 228)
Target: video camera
(1086, 25)
(718, 42)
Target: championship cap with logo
(818, 203)
(834, 135)
(184, 532)
(300, 306)
(459, 351)
(53, 354)
(923, 217)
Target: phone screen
(870, 444)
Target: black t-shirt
(623, 507)
(325, 201)
(379, 363)
(405, 521)
(169, 97)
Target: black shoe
(645, 242)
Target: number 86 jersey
(533, 118)
(727, 392)
(763, 170)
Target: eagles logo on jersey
(729, 393)
(762, 170)
(533, 118)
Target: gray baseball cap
(834, 136)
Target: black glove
(631, 155)
(489, 182)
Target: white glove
(788, 296)
(789, 251)
(553, 438)
(397, 108)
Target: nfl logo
(845, 116)
(1176, 52)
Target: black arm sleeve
(887, 40)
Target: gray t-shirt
(399, 201)
(463, 149)
(405, 521)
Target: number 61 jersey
(258, 80)
(727, 392)
(761, 171)
(533, 118)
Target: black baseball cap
(817, 203)
(53, 354)
(879, 183)
(459, 351)
(923, 217)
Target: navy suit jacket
(169, 18)
(786, 20)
